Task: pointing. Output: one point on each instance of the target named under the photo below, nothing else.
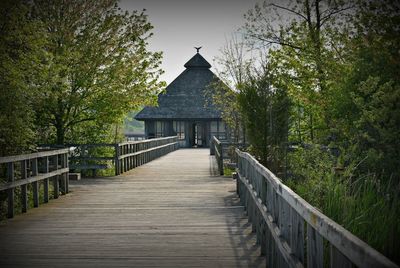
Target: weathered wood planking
(285, 213)
(216, 149)
(167, 213)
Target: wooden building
(183, 109)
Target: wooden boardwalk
(170, 212)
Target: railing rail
(135, 153)
(217, 150)
(124, 155)
(291, 231)
(34, 168)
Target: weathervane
(197, 49)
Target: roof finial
(197, 49)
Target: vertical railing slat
(338, 260)
(10, 177)
(297, 235)
(35, 185)
(315, 248)
(24, 192)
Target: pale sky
(179, 25)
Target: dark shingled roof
(185, 96)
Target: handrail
(131, 154)
(279, 217)
(125, 155)
(146, 141)
(217, 150)
(23, 170)
(15, 158)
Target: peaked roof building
(185, 97)
(183, 109)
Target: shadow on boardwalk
(168, 213)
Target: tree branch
(277, 41)
(290, 10)
(74, 122)
(332, 13)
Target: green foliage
(305, 51)
(337, 64)
(71, 71)
(366, 205)
(265, 112)
(99, 65)
(311, 170)
(20, 62)
(377, 132)
(228, 172)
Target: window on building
(179, 129)
(214, 129)
(221, 130)
(159, 129)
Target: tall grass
(365, 204)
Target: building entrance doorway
(197, 139)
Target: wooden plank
(35, 185)
(35, 193)
(315, 248)
(32, 179)
(46, 190)
(143, 152)
(56, 186)
(16, 158)
(360, 253)
(280, 249)
(24, 192)
(338, 260)
(89, 166)
(297, 235)
(149, 140)
(95, 158)
(10, 178)
(169, 212)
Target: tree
(21, 41)
(235, 65)
(302, 38)
(98, 67)
(370, 117)
(265, 110)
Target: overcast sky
(179, 25)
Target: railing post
(24, 192)
(116, 159)
(221, 159)
(35, 185)
(66, 165)
(212, 144)
(10, 175)
(46, 181)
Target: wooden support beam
(24, 192)
(10, 177)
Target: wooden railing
(217, 150)
(26, 169)
(123, 156)
(91, 156)
(290, 231)
(135, 153)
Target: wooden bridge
(171, 212)
(167, 208)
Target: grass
(228, 171)
(366, 205)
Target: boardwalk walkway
(168, 213)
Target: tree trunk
(60, 134)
